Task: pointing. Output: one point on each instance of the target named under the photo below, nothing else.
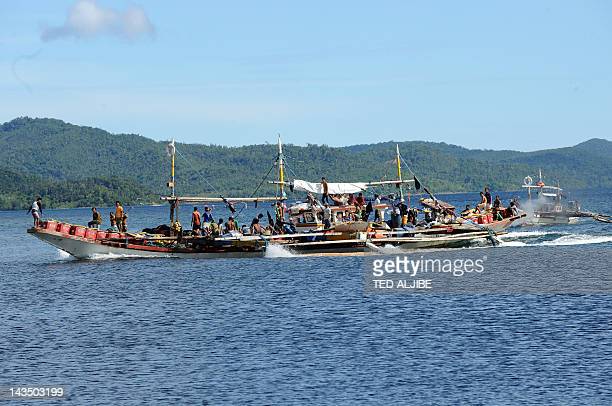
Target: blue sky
(483, 74)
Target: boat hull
(549, 220)
(417, 242)
(361, 245)
(329, 247)
(495, 226)
(82, 248)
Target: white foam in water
(278, 251)
(579, 239)
(104, 257)
(512, 244)
(63, 255)
(390, 249)
(567, 239)
(523, 234)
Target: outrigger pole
(203, 199)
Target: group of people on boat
(362, 209)
(488, 204)
(205, 225)
(118, 219)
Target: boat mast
(281, 168)
(540, 183)
(172, 154)
(540, 174)
(399, 171)
(171, 149)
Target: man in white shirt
(327, 216)
(36, 210)
(378, 214)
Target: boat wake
(541, 238)
(524, 234)
(106, 257)
(579, 239)
(278, 251)
(512, 243)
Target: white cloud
(86, 18)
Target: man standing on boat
(36, 210)
(119, 216)
(325, 197)
(489, 198)
(279, 212)
(327, 216)
(377, 212)
(196, 221)
(403, 208)
(482, 206)
(513, 207)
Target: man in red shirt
(196, 221)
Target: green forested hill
(72, 165)
(19, 190)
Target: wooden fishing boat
(422, 241)
(475, 220)
(84, 243)
(377, 242)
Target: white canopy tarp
(332, 188)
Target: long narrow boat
(83, 243)
(371, 242)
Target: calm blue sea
(299, 330)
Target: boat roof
(543, 187)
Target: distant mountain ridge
(49, 157)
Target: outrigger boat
(86, 243)
(344, 236)
(83, 242)
(471, 221)
(350, 233)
